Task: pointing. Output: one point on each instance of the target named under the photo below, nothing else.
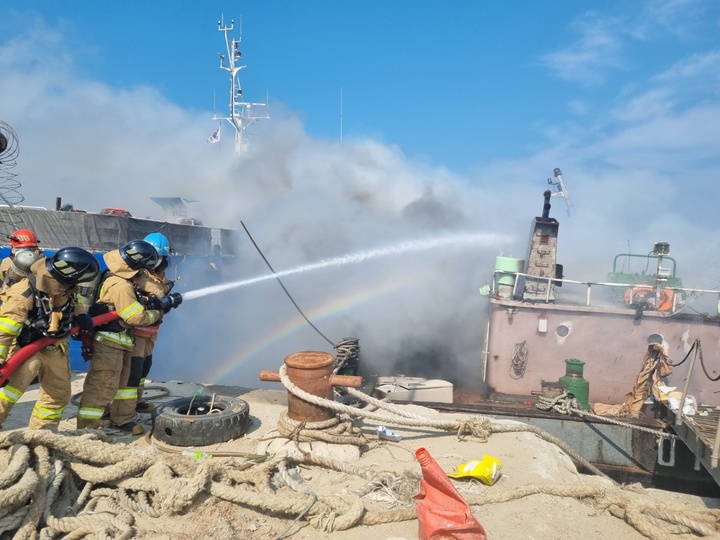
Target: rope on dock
(121, 482)
(654, 520)
(480, 427)
(80, 484)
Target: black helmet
(139, 254)
(70, 265)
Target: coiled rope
(348, 354)
(41, 471)
(78, 484)
(519, 360)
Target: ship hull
(612, 343)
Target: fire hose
(17, 359)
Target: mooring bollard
(311, 371)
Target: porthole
(655, 338)
(562, 330)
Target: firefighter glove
(98, 309)
(170, 301)
(84, 322)
(153, 302)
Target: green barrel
(574, 382)
(506, 268)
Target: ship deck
(701, 434)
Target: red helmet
(23, 238)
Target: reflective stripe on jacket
(126, 340)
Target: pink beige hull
(610, 342)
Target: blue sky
(454, 115)
(457, 85)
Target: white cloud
(680, 18)
(592, 54)
(696, 68)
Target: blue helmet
(160, 243)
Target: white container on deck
(415, 389)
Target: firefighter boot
(131, 428)
(144, 407)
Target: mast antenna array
(560, 189)
(241, 114)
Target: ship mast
(242, 114)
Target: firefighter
(111, 341)
(152, 284)
(21, 241)
(43, 304)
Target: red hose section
(17, 359)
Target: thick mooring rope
(648, 519)
(121, 482)
(480, 427)
(80, 485)
(332, 431)
(566, 404)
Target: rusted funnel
(311, 371)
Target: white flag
(215, 137)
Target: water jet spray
(484, 239)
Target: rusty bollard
(311, 371)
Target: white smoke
(642, 172)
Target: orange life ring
(641, 293)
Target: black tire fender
(189, 422)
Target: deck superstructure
(540, 320)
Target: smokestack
(58, 203)
(541, 261)
(546, 205)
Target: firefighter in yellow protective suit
(153, 284)
(43, 304)
(22, 241)
(111, 341)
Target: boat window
(562, 330)
(655, 338)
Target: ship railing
(549, 290)
(681, 420)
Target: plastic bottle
(442, 512)
(197, 454)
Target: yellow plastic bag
(488, 470)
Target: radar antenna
(9, 151)
(241, 113)
(560, 189)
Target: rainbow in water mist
(223, 368)
(480, 239)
